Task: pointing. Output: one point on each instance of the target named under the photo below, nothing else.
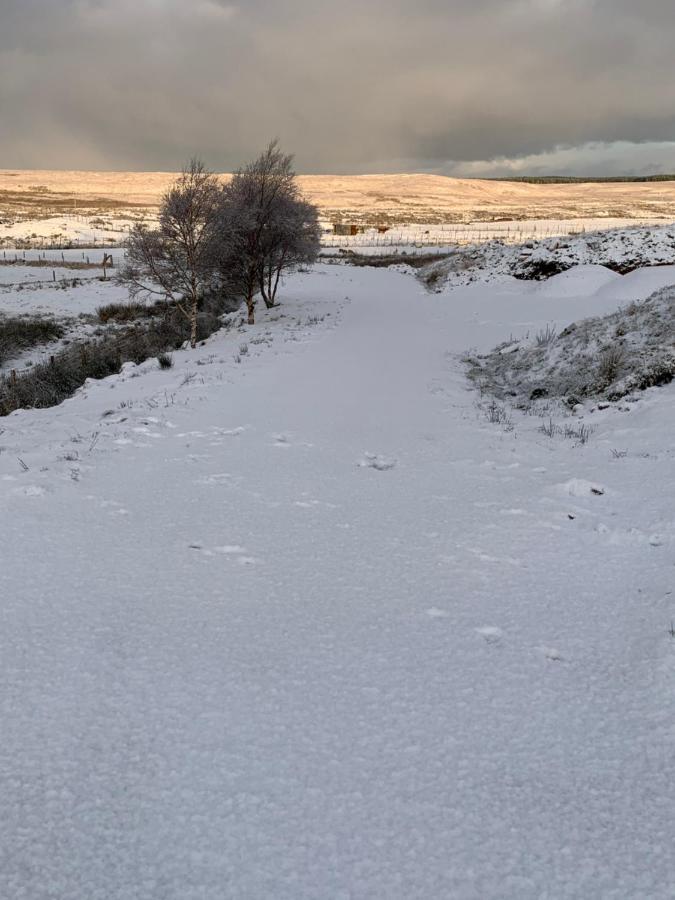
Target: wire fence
(444, 236)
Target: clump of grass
(21, 333)
(550, 429)
(122, 312)
(165, 360)
(546, 336)
(579, 433)
(497, 414)
(610, 364)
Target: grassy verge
(51, 382)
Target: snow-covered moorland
(621, 250)
(295, 619)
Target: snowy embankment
(621, 250)
(307, 625)
(606, 357)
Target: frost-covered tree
(265, 228)
(176, 260)
(291, 239)
(239, 238)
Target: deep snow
(308, 625)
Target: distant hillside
(569, 179)
(372, 199)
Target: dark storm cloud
(442, 85)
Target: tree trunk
(193, 323)
(263, 293)
(250, 306)
(275, 284)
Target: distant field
(375, 199)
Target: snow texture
(237, 663)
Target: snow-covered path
(312, 627)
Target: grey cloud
(355, 86)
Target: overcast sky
(476, 87)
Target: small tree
(265, 228)
(176, 260)
(292, 239)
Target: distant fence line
(19, 258)
(408, 237)
(86, 264)
(479, 233)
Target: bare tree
(265, 228)
(176, 259)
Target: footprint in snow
(551, 653)
(435, 613)
(230, 432)
(579, 487)
(31, 490)
(490, 633)
(233, 551)
(373, 461)
(216, 478)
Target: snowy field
(308, 625)
(54, 231)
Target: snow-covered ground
(60, 299)
(308, 625)
(55, 230)
(620, 249)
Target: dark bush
(123, 312)
(539, 269)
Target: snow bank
(610, 356)
(622, 250)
